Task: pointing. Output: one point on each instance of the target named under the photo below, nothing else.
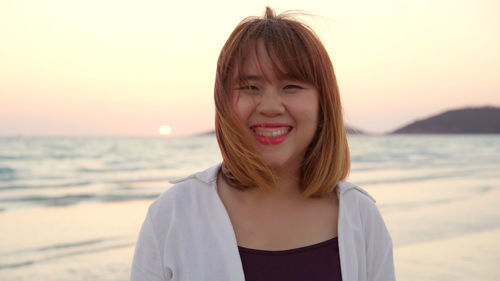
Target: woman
(276, 208)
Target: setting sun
(164, 130)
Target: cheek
(306, 111)
(243, 107)
(314, 109)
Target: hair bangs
(285, 48)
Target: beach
(438, 196)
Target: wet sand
(446, 231)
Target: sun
(164, 130)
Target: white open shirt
(187, 235)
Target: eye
(292, 87)
(249, 88)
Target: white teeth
(271, 133)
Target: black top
(318, 262)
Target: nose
(270, 103)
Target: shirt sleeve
(147, 264)
(379, 254)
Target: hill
(478, 120)
(353, 131)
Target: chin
(273, 162)
(277, 164)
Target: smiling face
(267, 115)
(281, 114)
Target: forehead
(258, 62)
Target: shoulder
(360, 204)
(206, 176)
(185, 192)
(364, 230)
(357, 200)
(351, 192)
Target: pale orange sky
(126, 67)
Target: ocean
(71, 207)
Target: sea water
(71, 207)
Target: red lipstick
(271, 133)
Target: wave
(7, 174)
(84, 183)
(71, 184)
(14, 265)
(130, 169)
(68, 200)
(425, 177)
(124, 169)
(50, 201)
(57, 247)
(62, 246)
(59, 251)
(403, 206)
(10, 157)
(123, 197)
(70, 245)
(75, 253)
(6, 170)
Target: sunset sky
(109, 67)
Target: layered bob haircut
(297, 53)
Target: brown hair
(294, 46)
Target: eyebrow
(254, 77)
(257, 77)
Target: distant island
(354, 131)
(471, 120)
(348, 129)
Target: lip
(270, 125)
(271, 140)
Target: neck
(287, 189)
(287, 185)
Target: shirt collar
(210, 175)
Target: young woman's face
(280, 114)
